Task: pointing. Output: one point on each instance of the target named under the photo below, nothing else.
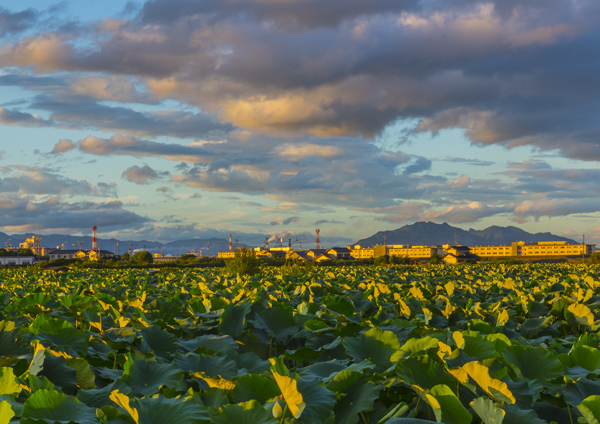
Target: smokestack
(230, 242)
(290, 242)
(94, 241)
(267, 246)
(318, 241)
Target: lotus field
(458, 345)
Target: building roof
(339, 249)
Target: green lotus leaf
(57, 370)
(340, 305)
(488, 411)
(413, 346)
(577, 392)
(585, 356)
(278, 322)
(590, 409)
(533, 363)
(214, 397)
(319, 402)
(6, 412)
(8, 382)
(380, 347)
(12, 343)
(61, 334)
(250, 363)
(321, 370)
(233, 320)
(221, 345)
(212, 366)
(255, 387)
(516, 415)
(407, 421)
(97, 398)
(84, 375)
(48, 406)
(358, 396)
(453, 411)
(424, 372)
(160, 341)
(534, 326)
(120, 335)
(147, 377)
(161, 410)
(478, 347)
(250, 412)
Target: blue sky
(171, 119)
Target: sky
(175, 119)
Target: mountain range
(432, 234)
(419, 233)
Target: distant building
(339, 252)
(80, 254)
(542, 248)
(16, 260)
(458, 254)
(359, 252)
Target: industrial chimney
(94, 241)
(318, 241)
(230, 242)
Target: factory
(93, 255)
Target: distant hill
(432, 234)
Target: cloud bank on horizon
(356, 115)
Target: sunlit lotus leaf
(8, 382)
(590, 409)
(533, 363)
(250, 412)
(488, 411)
(582, 313)
(418, 345)
(289, 389)
(124, 402)
(255, 387)
(453, 411)
(211, 366)
(161, 410)
(147, 377)
(47, 406)
(6, 412)
(233, 320)
(160, 341)
(381, 347)
(481, 375)
(358, 396)
(120, 335)
(218, 344)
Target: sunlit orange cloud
(45, 53)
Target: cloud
(43, 181)
(554, 208)
(461, 214)
(16, 118)
(23, 214)
(140, 175)
(63, 146)
(16, 22)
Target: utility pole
(583, 247)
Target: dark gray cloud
(22, 119)
(142, 174)
(80, 111)
(24, 214)
(16, 22)
(43, 181)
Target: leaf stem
(363, 418)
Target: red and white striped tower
(318, 241)
(94, 241)
(230, 242)
(267, 244)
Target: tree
(435, 259)
(243, 263)
(142, 258)
(125, 256)
(594, 258)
